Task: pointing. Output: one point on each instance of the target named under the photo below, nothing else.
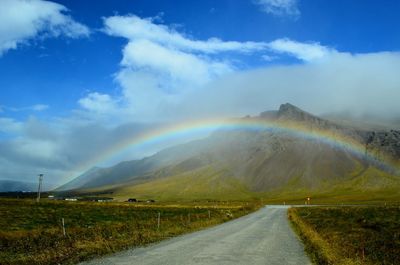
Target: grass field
(32, 233)
(349, 235)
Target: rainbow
(203, 126)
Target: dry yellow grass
(31, 233)
(349, 235)
(319, 250)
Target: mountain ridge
(13, 185)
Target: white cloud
(279, 7)
(133, 27)
(178, 65)
(140, 89)
(303, 51)
(36, 107)
(161, 67)
(98, 103)
(269, 58)
(8, 125)
(23, 20)
(40, 107)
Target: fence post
(63, 225)
(158, 220)
(209, 214)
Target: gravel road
(263, 237)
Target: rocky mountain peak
(290, 112)
(286, 111)
(294, 113)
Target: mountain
(244, 164)
(12, 185)
(132, 170)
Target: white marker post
(63, 225)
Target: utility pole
(39, 187)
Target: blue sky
(73, 69)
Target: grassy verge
(349, 235)
(32, 233)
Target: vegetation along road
(263, 237)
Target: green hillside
(206, 183)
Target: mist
(360, 85)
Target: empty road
(263, 237)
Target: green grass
(31, 233)
(364, 185)
(377, 197)
(349, 235)
(204, 184)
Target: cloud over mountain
(161, 67)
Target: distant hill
(244, 164)
(11, 185)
